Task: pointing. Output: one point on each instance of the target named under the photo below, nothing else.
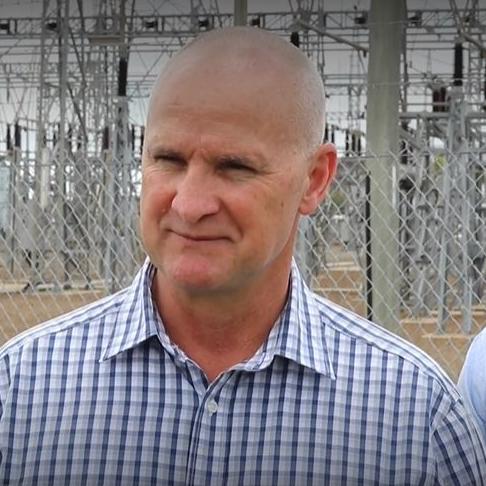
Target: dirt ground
(20, 311)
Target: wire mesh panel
(69, 235)
(439, 247)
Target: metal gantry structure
(74, 83)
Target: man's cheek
(155, 202)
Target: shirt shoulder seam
(401, 348)
(64, 322)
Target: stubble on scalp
(259, 53)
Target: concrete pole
(385, 41)
(240, 12)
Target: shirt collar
(298, 335)
(136, 318)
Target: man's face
(221, 186)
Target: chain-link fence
(409, 253)
(430, 234)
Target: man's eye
(170, 160)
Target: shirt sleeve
(460, 452)
(472, 381)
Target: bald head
(260, 67)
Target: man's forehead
(202, 112)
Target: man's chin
(198, 277)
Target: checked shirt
(101, 396)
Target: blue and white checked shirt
(102, 397)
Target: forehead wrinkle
(178, 119)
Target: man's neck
(219, 332)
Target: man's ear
(322, 170)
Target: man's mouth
(198, 237)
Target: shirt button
(212, 406)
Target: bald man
(218, 366)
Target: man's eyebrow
(165, 152)
(253, 158)
(235, 158)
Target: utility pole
(385, 40)
(240, 12)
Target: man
(472, 381)
(218, 366)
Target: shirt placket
(203, 466)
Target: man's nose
(195, 196)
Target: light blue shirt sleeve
(472, 381)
